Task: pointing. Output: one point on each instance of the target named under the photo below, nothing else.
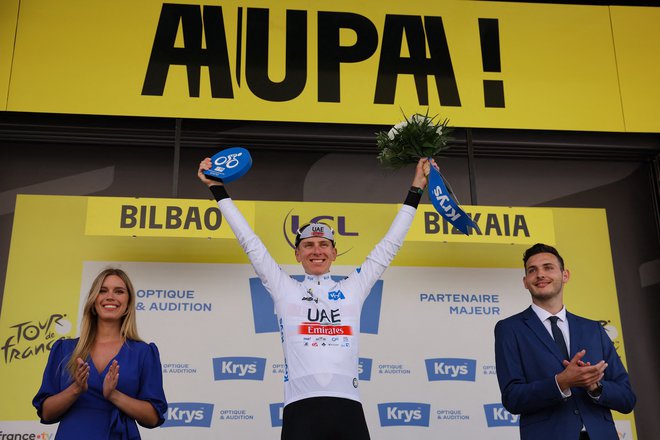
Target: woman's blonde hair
(89, 321)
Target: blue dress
(92, 416)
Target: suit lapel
(534, 323)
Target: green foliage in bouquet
(409, 140)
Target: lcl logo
(338, 223)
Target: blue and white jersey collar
(319, 279)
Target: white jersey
(319, 318)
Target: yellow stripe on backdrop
(549, 66)
(51, 244)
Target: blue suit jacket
(527, 361)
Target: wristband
(413, 198)
(219, 192)
(416, 190)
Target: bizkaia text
(205, 44)
(488, 224)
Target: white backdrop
(199, 312)
(428, 372)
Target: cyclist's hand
(203, 166)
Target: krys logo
(188, 414)
(364, 368)
(451, 369)
(265, 319)
(404, 414)
(292, 223)
(30, 338)
(239, 368)
(276, 411)
(496, 416)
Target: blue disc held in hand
(229, 165)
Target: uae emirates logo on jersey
(313, 328)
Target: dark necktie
(558, 336)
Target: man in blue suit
(559, 371)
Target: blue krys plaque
(229, 164)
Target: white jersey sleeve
(274, 279)
(384, 252)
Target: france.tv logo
(265, 319)
(497, 415)
(451, 369)
(239, 368)
(188, 414)
(404, 414)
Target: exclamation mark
(490, 56)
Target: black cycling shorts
(322, 418)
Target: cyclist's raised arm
(264, 265)
(385, 251)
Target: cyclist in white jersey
(319, 318)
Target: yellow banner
(499, 225)
(139, 217)
(481, 64)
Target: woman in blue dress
(82, 387)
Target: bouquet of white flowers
(411, 139)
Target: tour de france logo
(31, 338)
